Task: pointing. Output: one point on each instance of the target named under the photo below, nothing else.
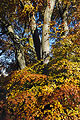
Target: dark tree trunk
(35, 35)
(36, 41)
(34, 31)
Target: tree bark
(19, 51)
(45, 31)
(35, 35)
(66, 28)
(34, 31)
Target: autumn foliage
(35, 96)
(45, 91)
(54, 96)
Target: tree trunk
(66, 29)
(19, 51)
(35, 35)
(45, 30)
(34, 31)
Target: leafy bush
(39, 97)
(31, 95)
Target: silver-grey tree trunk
(19, 51)
(66, 28)
(45, 31)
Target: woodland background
(39, 59)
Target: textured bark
(66, 28)
(35, 35)
(19, 51)
(45, 31)
(34, 31)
